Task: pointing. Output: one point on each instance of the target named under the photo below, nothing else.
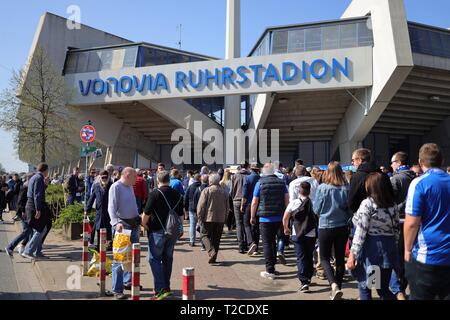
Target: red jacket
(140, 188)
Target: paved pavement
(236, 276)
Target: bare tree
(2, 169)
(34, 109)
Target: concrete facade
(390, 99)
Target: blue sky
(155, 21)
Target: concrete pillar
(346, 149)
(232, 50)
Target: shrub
(72, 214)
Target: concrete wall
(53, 35)
(392, 62)
(441, 136)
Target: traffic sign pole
(87, 135)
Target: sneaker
(252, 249)
(41, 256)
(120, 296)
(336, 294)
(20, 249)
(304, 288)
(165, 293)
(191, 244)
(26, 256)
(203, 249)
(255, 254)
(400, 296)
(9, 252)
(267, 275)
(17, 218)
(281, 258)
(242, 251)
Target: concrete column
(232, 50)
(346, 149)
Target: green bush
(54, 196)
(54, 193)
(72, 214)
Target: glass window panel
(364, 34)
(129, 59)
(436, 43)
(71, 63)
(313, 39)
(185, 59)
(445, 38)
(330, 37)
(94, 61)
(82, 61)
(173, 58)
(160, 57)
(296, 40)
(348, 35)
(279, 42)
(106, 59)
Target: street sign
(85, 151)
(87, 133)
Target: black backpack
(304, 218)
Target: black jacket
(189, 197)
(400, 184)
(357, 192)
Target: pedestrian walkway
(235, 276)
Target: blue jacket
(189, 204)
(177, 185)
(100, 196)
(331, 206)
(249, 186)
(36, 191)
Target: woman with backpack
(373, 254)
(304, 233)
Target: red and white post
(135, 272)
(188, 284)
(102, 273)
(85, 257)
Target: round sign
(87, 133)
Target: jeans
(282, 240)
(304, 250)
(211, 235)
(71, 199)
(337, 238)
(427, 282)
(160, 257)
(139, 205)
(26, 232)
(34, 246)
(398, 281)
(120, 278)
(192, 226)
(365, 293)
(269, 232)
(240, 229)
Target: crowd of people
(372, 223)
